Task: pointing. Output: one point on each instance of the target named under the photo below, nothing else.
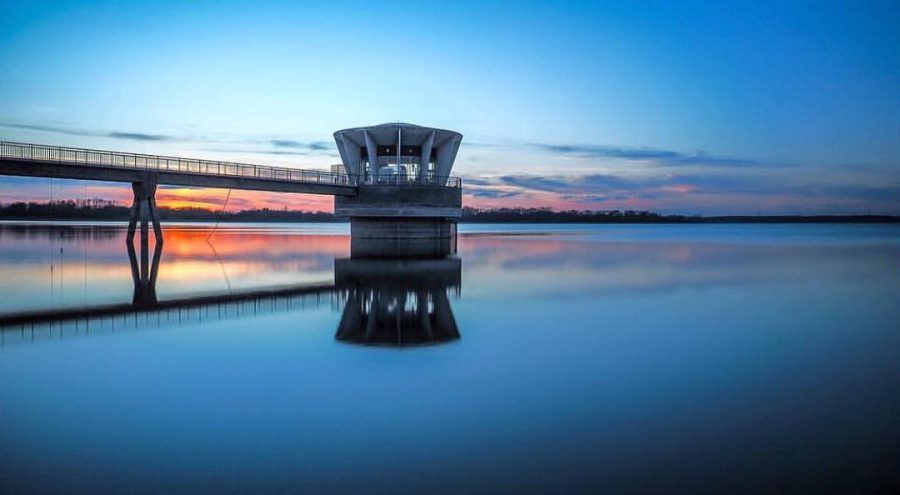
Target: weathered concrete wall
(401, 201)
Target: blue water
(589, 359)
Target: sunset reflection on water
(45, 266)
(740, 358)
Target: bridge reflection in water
(144, 275)
(386, 297)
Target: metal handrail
(412, 180)
(114, 159)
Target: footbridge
(393, 183)
(146, 172)
(37, 160)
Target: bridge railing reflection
(383, 301)
(147, 311)
(135, 318)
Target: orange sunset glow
(214, 199)
(173, 197)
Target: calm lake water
(538, 359)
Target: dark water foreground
(539, 359)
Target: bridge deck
(34, 160)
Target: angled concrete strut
(144, 208)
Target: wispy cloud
(48, 128)
(658, 156)
(568, 184)
(537, 183)
(492, 193)
(251, 145)
(256, 150)
(304, 145)
(138, 136)
(70, 131)
(735, 191)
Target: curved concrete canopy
(355, 143)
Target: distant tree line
(108, 210)
(546, 215)
(94, 209)
(98, 209)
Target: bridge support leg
(144, 209)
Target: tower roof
(358, 144)
(384, 134)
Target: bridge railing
(114, 159)
(412, 180)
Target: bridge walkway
(37, 160)
(146, 172)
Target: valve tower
(405, 189)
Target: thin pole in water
(219, 219)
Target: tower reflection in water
(397, 292)
(393, 294)
(398, 302)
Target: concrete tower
(405, 188)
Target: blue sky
(687, 107)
